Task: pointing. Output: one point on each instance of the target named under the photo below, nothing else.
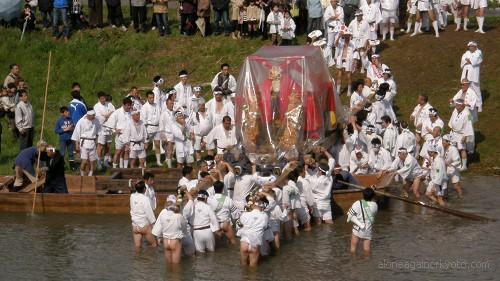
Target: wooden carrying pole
(423, 204)
(41, 131)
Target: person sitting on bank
(362, 215)
(25, 161)
(55, 181)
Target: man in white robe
(469, 97)
(85, 138)
(462, 130)
(471, 66)
(222, 137)
(150, 115)
(183, 89)
(103, 110)
(117, 122)
(136, 137)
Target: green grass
(113, 61)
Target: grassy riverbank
(113, 61)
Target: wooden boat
(110, 194)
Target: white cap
(197, 89)
(358, 13)
(387, 71)
(178, 114)
(319, 43)
(217, 93)
(315, 34)
(134, 112)
(375, 56)
(402, 150)
(374, 42)
(348, 31)
(432, 148)
(172, 198)
(472, 43)
(91, 112)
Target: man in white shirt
(333, 19)
(391, 88)
(321, 186)
(142, 216)
(103, 110)
(150, 115)
(390, 135)
(430, 123)
(406, 139)
(462, 130)
(389, 17)
(469, 97)
(24, 118)
(225, 210)
(222, 137)
(117, 122)
(136, 138)
(438, 178)
(375, 68)
(357, 101)
(359, 163)
(201, 122)
(225, 80)
(360, 35)
(344, 58)
(165, 123)
(471, 66)
(407, 167)
(204, 223)
(453, 163)
(379, 158)
(183, 138)
(149, 180)
(183, 89)
(419, 116)
(85, 138)
(159, 96)
(372, 14)
(217, 107)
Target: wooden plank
(6, 181)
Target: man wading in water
(362, 215)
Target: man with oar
(407, 167)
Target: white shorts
(204, 240)
(344, 64)
(413, 9)
(476, 4)
(197, 143)
(88, 154)
(438, 190)
(465, 2)
(141, 154)
(302, 215)
(454, 175)
(423, 6)
(390, 15)
(103, 139)
(154, 136)
(323, 214)
(119, 142)
(468, 145)
(189, 159)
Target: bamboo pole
(42, 129)
(426, 205)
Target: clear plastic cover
(285, 101)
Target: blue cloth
(60, 4)
(77, 109)
(314, 9)
(26, 159)
(61, 124)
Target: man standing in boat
(362, 215)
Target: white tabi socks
(466, 21)
(458, 21)
(121, 162)
(338, 89)
(169, 163)
(125, 164)
(464, 164)
(82, 173)
(158, 160)
(435, 26)
(408, 26)
(391, 32)
(417, 28)
(349, 90)
(91, 173)
(480, 22)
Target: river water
(410, 243)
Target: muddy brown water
(410, 243)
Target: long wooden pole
(42, 129)
(426, 205)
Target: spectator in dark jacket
(139, 14)
(188, 13)
(27, 18)
(46, 7)
(64, 129)
(221, 10)
(95, 13)
(55, 181)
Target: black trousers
(26, 139)
(115, 15)
(139, 16)
(188, 24)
